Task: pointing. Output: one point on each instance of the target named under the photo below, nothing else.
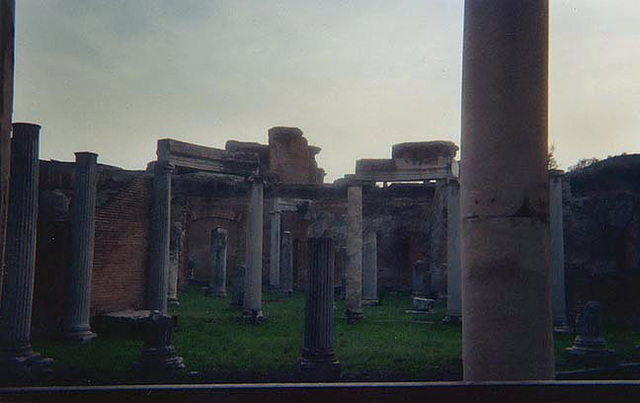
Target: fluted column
(218, 264)
(16, 355)
(252, 305)
(557, 251)
(318, 362)
(287, 262)
(274, 261)
(354, 254)
(160, 237)
(454, 289)
(75, 324)
(504, 200)
(370, 269)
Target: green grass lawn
(389, 344)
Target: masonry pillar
(506, 286)
(274, 261)
(354, 254)
(218, 264)
(158, 285)
(252, 304)
(16, 357)
(75, 324)
(454, 303)
(318, 362)
(176, 245)
(557, 251)
(287, 262)
(370, 269)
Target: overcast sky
(113, 76)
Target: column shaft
(176, 245)
(370, 269)
(252, 306)
(160, 238)
(506, 301)
(557, 251)
(274, 262)
(77, 302)
(454, 303)
(287, 262)
(218, 264)
(354, 254)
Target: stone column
(419, 286)
(160, 237)
(504, 201)
(252, 304)
(274, 261)
(176, 245)
(557, 252)
(370, 269)
(7, 45)
(287, 262)
(218, 264)
(318, 362)
(454, 303)
(437, 281)
(354, 254)
(16, 356)
(75, 323)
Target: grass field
(217, 346)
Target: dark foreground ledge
(545, 391)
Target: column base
(173, 302)
(318, 371)
(24, 366)
(354, 316)
(253, 316)
(452, 320)
(215, 294)
(370, 302)
(591, 356)
(79, 336)
(561, 328)
(160, 362)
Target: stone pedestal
(354, 255)
(176, 246)
(507, 332)
(318, 362)
(274, 261)
(157, 288)
(159, 358)
(17, 360)
(370, 269)
(252, 306)
(218, 264)
(589, 346)
(75, 323)
(419, 285)
(287, 262)
(454, 303)
(557, 252)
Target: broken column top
(424, 150)
(283, 133)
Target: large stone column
(557, 251)
(454, 303)
(318, 362)
(218, 264)
(370, 269)
(252, 304)
(16, 357)
(75, 323)
(287, 262)
(354, 254)
(437, 281)
(506, 286)
(274, 261)
(176, 246)
(158, 285)
(7, 45)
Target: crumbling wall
(291, 159)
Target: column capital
(85, 157)
(164, 167)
